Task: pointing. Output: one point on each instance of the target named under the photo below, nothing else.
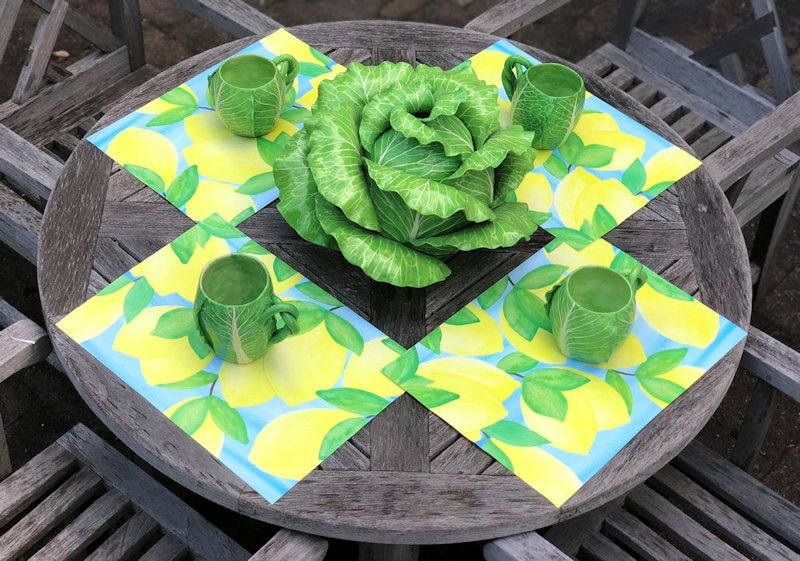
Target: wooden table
(407, 478)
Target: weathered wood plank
(20, 224)
(597, 546)
(772, 361)
(753, 431)
(346, 457)
(509, 16)
(441, 435)
(32, 171)
(463, 456)
(734, 41)
(44, 39)
(775, 53)
(631, 532)
(126, 23)
(168, 548)
(96, 34)
(22, 344)
(233, 16)
(710, 141)
(287, 545)
(126, 540)
(523, 547)
(8, 17)
(5, 457)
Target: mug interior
(555, 80)
(599, 289)
(234, 280)
(247, 71)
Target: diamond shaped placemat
(178, 146)
(272, 421)
(610, 167)
(494, 372)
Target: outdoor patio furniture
(402, 479)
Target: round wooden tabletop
(406, 477)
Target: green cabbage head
(397, 167)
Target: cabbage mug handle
(514, 63)
(290, 71)
(289, 314)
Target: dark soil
(39, 404)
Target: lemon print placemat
(610, 166)
(179, 147)
(271, 421)
(494, 372)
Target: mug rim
(249, 56)
(561, 67)
(267, 282)
(631, 293)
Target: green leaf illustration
(313, 70)
(183, 187)
(197, 380)
(658, 188)
(403, 367)
(462, 317)
(257, 184)
(616, 381)
(147, 176)
(557, 378)
(228, 419)
(492, 449)
(316, 293)
(433, 341)
(252, 248)
(118, 284)
(296, 115)
(661, 362)
(343, 332)
(339, 434)
(291, 96)
(574, 238)
(492, 294)
(311, 315)
(137, 299)
(283, 271)
(571, 149)
(170, 116)
(432, 397)
(514, 434)
(545, 401)
(324, 59)
(516, 363)
(525, 313)
(624, 263)
(542, 276)
(595, 156)
(184, 245)
(356, 401)
(191, 415)
(175, 324)
(243, 214)
(219, 227)
(635, 177)
(602, 221)
(179, 96)
(556, 166)
(663, 390)
(270, 149)
(667, 289)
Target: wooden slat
(22, 344)
(441, 435)
(346, 457)
(30, 482)
(667, 518)
(461, 457)
(710, 141)
(742, 491)
(44, 39)
(232, 16)
(85, 27)
(20, 224)
(65, 500)
(168, 548)
(775, 54)
(773, 362)
(126, 540)
(596, 63)
(90, 524)
(735, 40)
(126, 23)
(766, 184)
(32, 171)
(523, 547)
(677, 11)
(8, 17)
(597, 547)
(690, 126)
(718, 517)
(754, 428)
(287, 545)
(631, 532)
(512, 15)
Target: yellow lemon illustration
(218, 153)
(209, 435)
(600, 128)
(487, 66)
(669, 165)
(363, 371)
(145, 148)
(162, 361)
(310, 97)
(576, 433)
(506, 113)
(608, 405)
(542, 347)
(300, 365)
(94, 316)
(221, 198)
(481, 390)
(289, 445)
(686, 322)
(535, 191)
(158, 105)
(630, 353)
(167, 275)
(599, 252)
(542, 471)
(580, 193)
(684, 376)
(245, 385)
(472, 339)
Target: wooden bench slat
(634, 534)
(99, 36)
(22, 344)
(599, 547)
(773, 362)
(287, 545)
(718, 517)
(523, 547)
(168, 548)
(509, 16)
(596, 63)
(742, 491)
(31, 170)
(87, 527)
(45, 516)
(233, 16)
(346, 457)
(8, 17)
(664, 516)
(30, 482)
(710, 141)
(461, 457)
(126, 540)
(689, 127)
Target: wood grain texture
(22, 344)
(527, 547)
(126, 23)
(404, 507)
(233, 16)
(8, 17)
(32, 172)
(96, 34)
(129, 538)
(509, 16)
(637, 537)
(772, 361)
(168, 548)
(754, 428)
(290, 546)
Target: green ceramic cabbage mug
(236, 309)
(592, 311)
(546, 99)
(248, 91)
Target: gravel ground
(39, 404)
